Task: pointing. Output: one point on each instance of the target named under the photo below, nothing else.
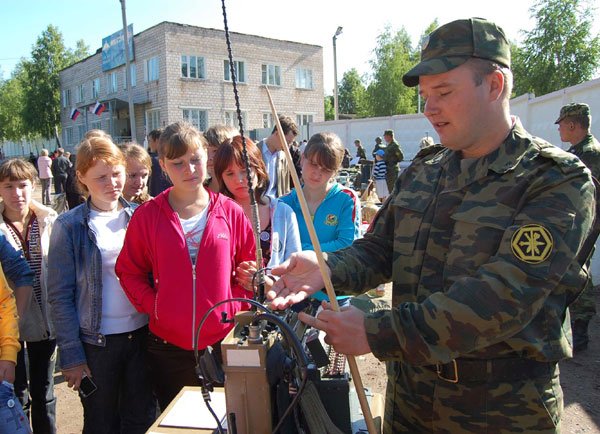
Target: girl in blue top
(335, 210)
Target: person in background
(393, 156)
(346, 159)
(11, 413)
(45, 172)
(216, 136)
(139, 166)
(360, 151)
(334, 209)
(378, 145)
(379, 175)
(98, 331)
(60, 168)
(279, 236)
(27, 225)
(273, 155)
(574, 124)
(158, 181)
(426, 142)
(33, 160)
(190, 240)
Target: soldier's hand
(345, 329)
(299, 278)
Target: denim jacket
(75, 284)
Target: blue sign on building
(113, 49)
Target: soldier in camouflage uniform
(480, 239)
(574, 127)
(393, 156)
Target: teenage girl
(189, 240)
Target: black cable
(253, 203)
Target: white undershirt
(118, 314)
(193, 229)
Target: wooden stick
(360, 391)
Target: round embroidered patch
(532, 243)
(331, 220)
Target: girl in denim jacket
(98, 332)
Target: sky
(308, 21)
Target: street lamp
(338, 32)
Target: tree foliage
(559, 51)
(352, 94)
(42, 102)
(394, 56)
(11, 105)
(329, 109)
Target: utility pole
(338, 32)
(128, 74)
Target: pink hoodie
(155, 249)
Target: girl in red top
(189, 240)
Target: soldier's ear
(496, 83)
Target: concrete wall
(536, 114)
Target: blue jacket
(15, 266)
(75, 284)
(337, 219)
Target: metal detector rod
(360, 391)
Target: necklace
(97, 208)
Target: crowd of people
(485, 239)
(117, 282)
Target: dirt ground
(580, 378)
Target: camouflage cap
(573, 109)
(454, 43)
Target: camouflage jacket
(393, 155)
(588, 151)
(481, 259)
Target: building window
(67, 98)
(95, 88)
(267, 119)
(231, 120)
(303, 119)
(81, 131)
(192, 67)
(271, 75)
(240, 71)
(96, 125)
(152, 119)
(111, 82)
(79, 93)
(69, 136)
(133, 76)
(304, 78)
(196, 117)
(151, 70)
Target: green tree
(329, 110)
(352, 96)
(393, 57)
(42, 100)
(11, 106)
(559, 51)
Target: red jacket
(155, 245)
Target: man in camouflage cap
(480, 239)
(574, 124)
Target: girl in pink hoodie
(181, 250)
